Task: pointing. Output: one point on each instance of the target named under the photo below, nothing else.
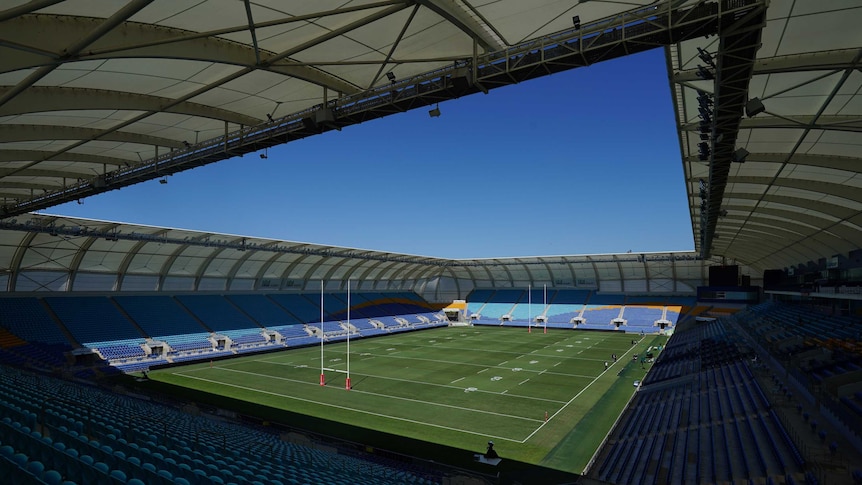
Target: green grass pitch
(456, 386)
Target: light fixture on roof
(270, 115)
(739, 155)
(754, 107)
(706, 57)
(390, 76)
(722, 213)
(187, 144)
(704, 73)
(576, 21)
(435, 111)
(703, 151)
(163, 180)
(265, 154)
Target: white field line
(375, 376)
(287, 396)
(486, 367)
(572, 399)
(456, 380)
(460, 408)
(525, 380)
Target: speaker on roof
(309, 124)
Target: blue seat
(52, 477)
(118, 476)
(20, 459)
(36, 468)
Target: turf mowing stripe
(311, 401)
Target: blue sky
(581, 162)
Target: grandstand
(752, 378)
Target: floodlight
(704, 73)
(390, 76)
(187, 144)
(269, 117)
(739, 155)
(754, 107)
(264, 156)
(576, 21)
(705, 57)
(163, 180)
(434, 112)
(722, 213)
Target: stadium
(135, 353)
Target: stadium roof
(97, 95)
(94, 99)
(798, 195)
(53, 253)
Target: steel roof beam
(468, 24)
(734, 61)
(835, 60)
(101, 27)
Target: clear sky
(586, 161)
